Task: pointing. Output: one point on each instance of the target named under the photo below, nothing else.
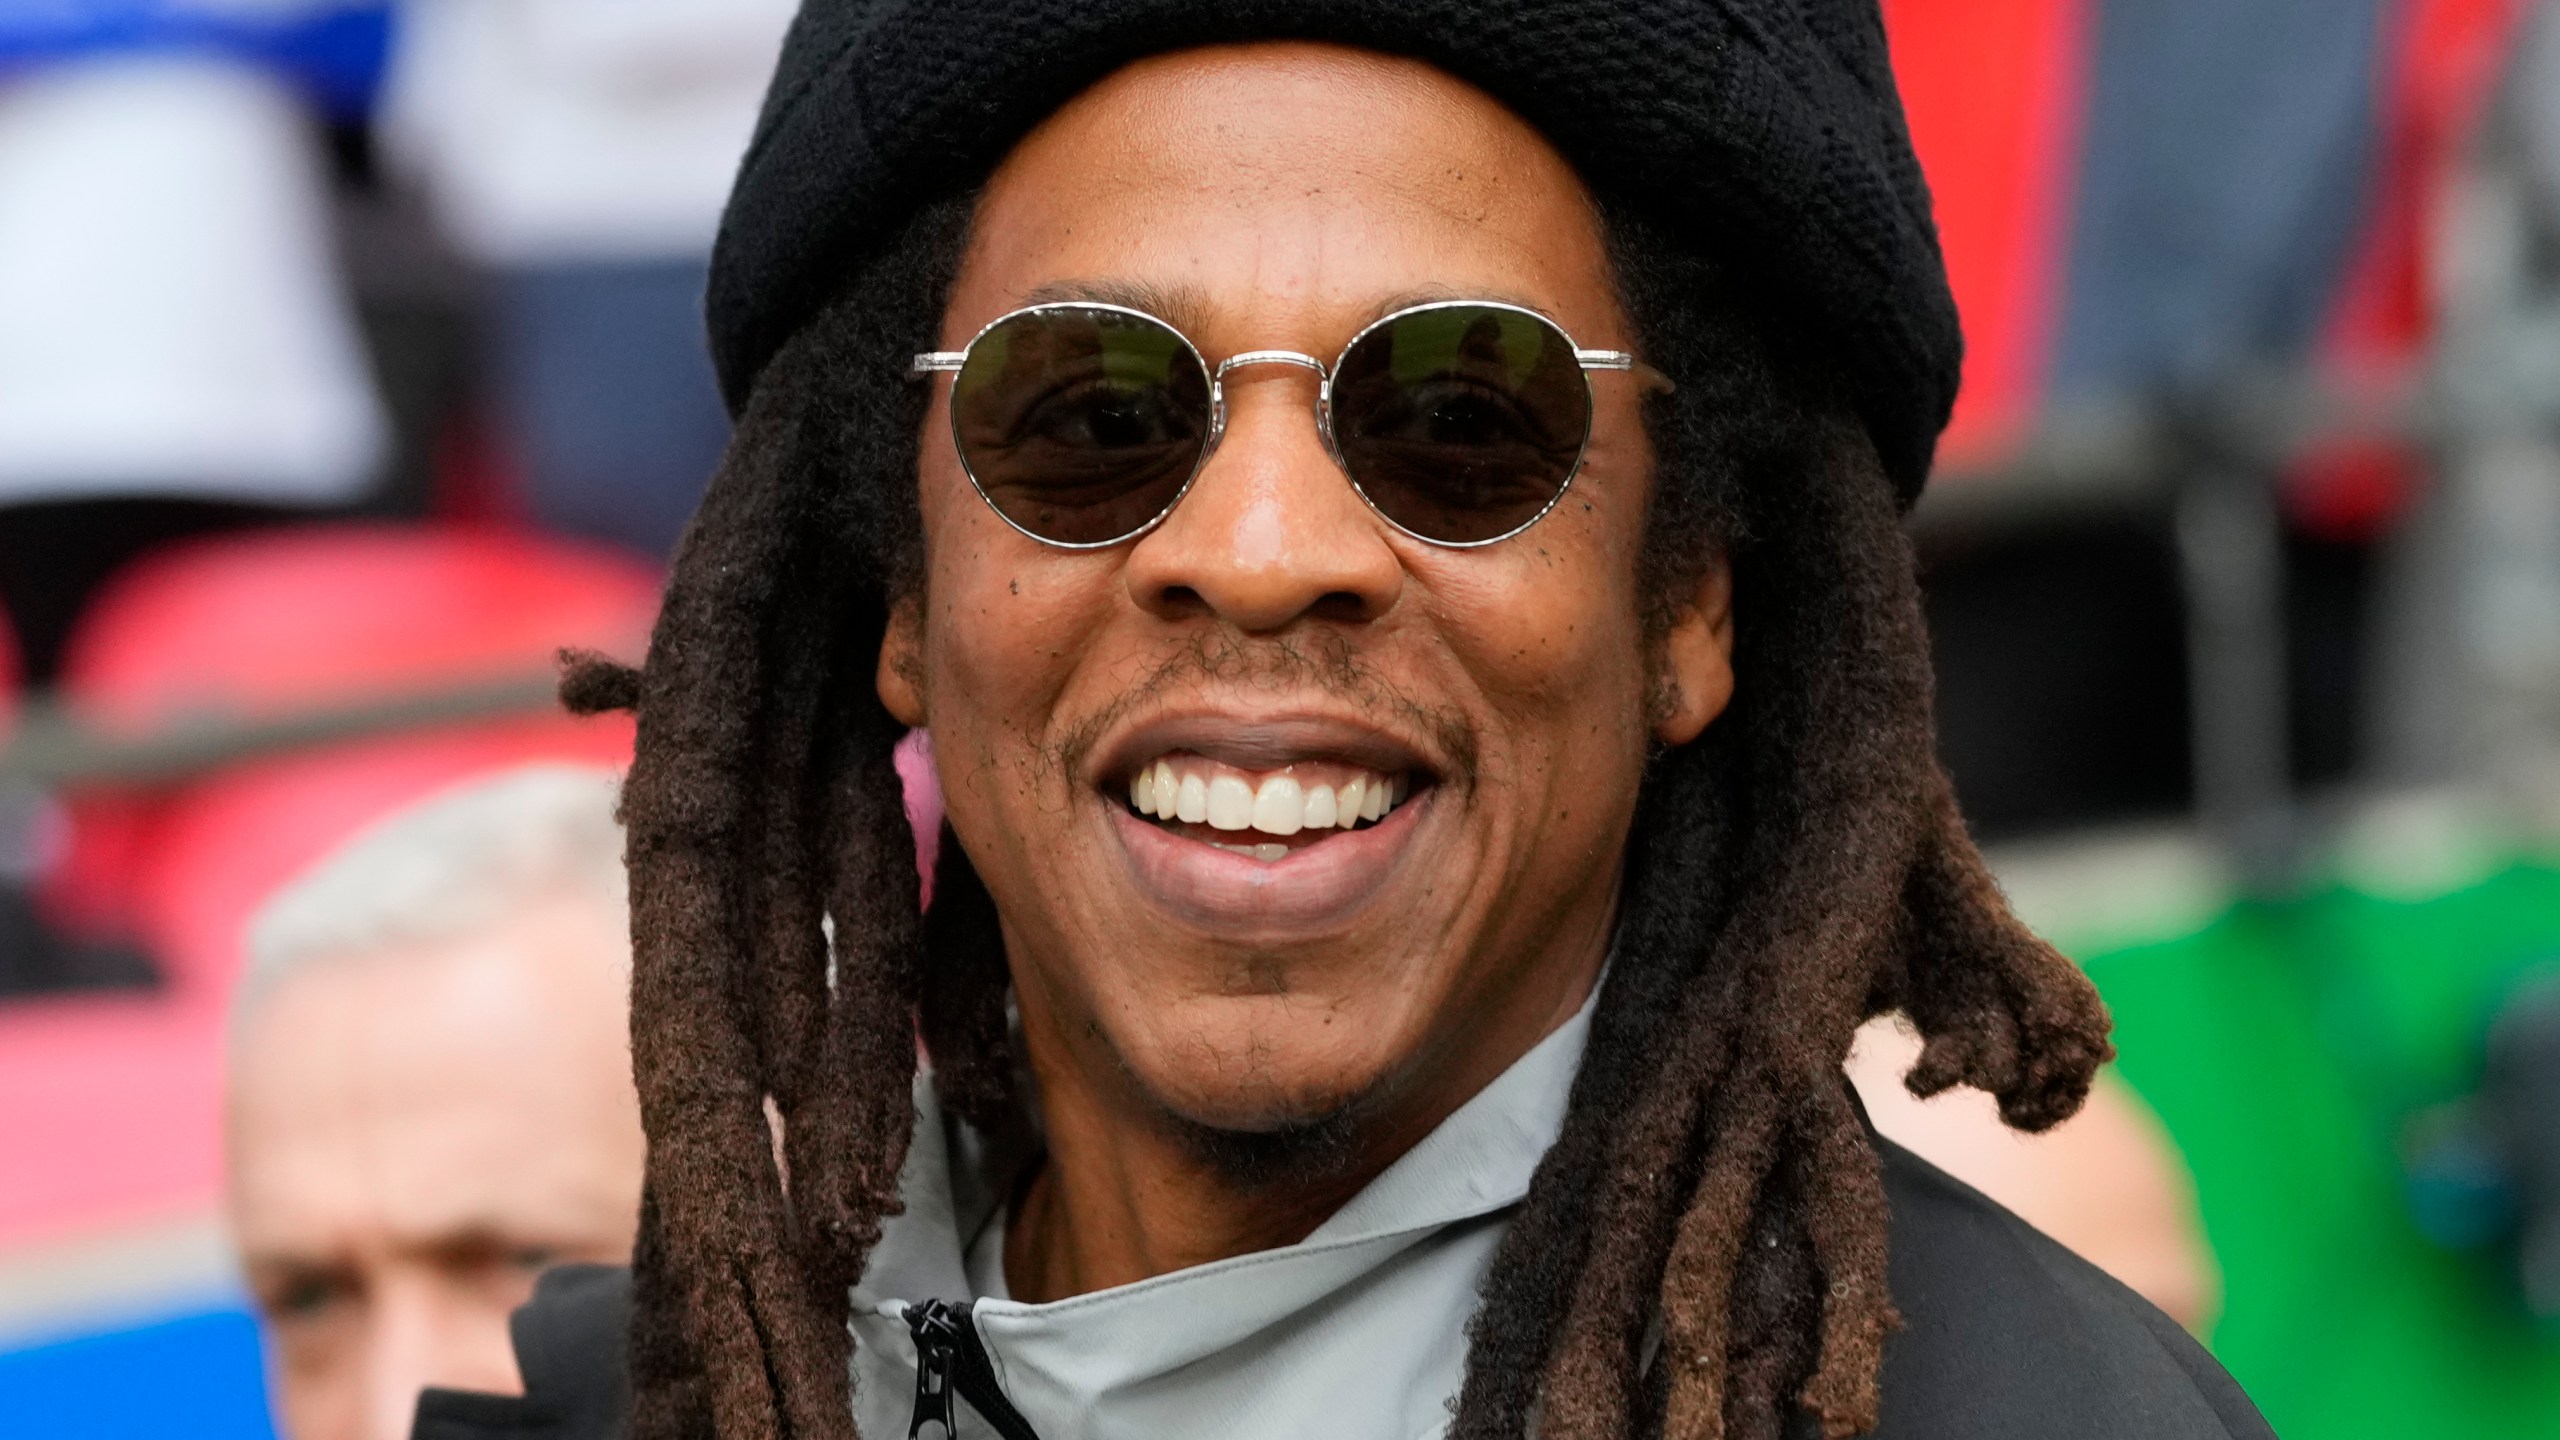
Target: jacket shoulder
(569, 1343)
(2008, 1336)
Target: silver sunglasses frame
(932, 362)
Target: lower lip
(1315, 887)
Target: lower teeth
(1259, 852)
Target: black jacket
(2006, 1336)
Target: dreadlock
(1700, 1254)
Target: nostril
(1181, 600)
(1345, 606)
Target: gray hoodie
(1375, 1301)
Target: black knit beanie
(1766, 132)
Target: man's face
(1284, 197)
(413, 1136)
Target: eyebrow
(1436, 294)
(1184, 307)
(1187, 307)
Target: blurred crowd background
(351, 366)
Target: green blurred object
(2302, 1054)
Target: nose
(1270, 532)
(400, 1361)
(428, 1333)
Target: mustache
(1279, 665)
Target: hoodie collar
(1403, 1257)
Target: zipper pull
(937, 1338)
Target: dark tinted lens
(1080, 424)
(1461, 423)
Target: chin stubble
(1310, 1150)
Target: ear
(1693, 678)
(900, 679)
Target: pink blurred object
(109, 1107)
(924, 806)
(108, 1112)
(9, 673)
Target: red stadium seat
(226, 843)
(258, 624)
(263, 625)
(109, 1105)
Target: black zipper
(952, 1360)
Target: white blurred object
(171, 318)
(573, 130)
(2108, 1183)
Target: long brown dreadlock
(1702, 1252)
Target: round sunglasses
(1460, 422)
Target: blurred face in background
(414, 1134)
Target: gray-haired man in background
(430, 1095)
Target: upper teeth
(1201, 792)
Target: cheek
(1009, 625)
(1547, 622)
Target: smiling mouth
(1268, 815)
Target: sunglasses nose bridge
(1298, 358)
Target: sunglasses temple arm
(932, 361)
(1621, 360)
